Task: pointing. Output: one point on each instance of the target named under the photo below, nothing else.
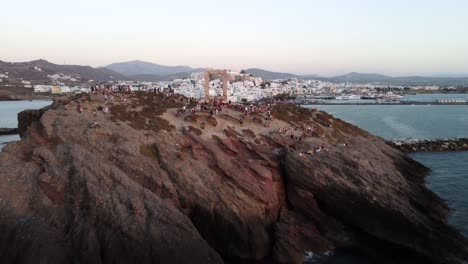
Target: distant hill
(401, 81)
(269, 75)
(360, 77)
(38, 70)
(133, 68)
(158, 78)
(309, 76)
(421, 80)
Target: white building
(42, 88)
(65, 89)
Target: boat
(323, 97)
(391, 96)
(450, 101)
(369, 97)
(348, 97)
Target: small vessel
(348, 97)
(323, 97)
(450, 101)
(391, 96)
(369, 97)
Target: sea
(449, 177)
(8, 116)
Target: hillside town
(242, 86)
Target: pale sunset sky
(397, 37)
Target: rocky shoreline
(145, 182)
(21, 94)
(428, 145)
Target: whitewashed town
(241, 87)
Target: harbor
(384, 99)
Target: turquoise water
(8, 115)
(449, 177)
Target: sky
(397, 37)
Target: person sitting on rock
(79, 108)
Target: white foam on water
(311, 257)
(403, 130)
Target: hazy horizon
(396, 38)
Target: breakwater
(8, 131)
(426, 145)
(369, 102)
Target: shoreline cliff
(135, 180)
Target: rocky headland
(140, 184)
(13, 93)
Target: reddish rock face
(135, 186)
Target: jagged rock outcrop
(27, 117)
(135, 185)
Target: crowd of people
(215, 107)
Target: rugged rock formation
(425, 145)
(27, 117)
(140, 185)
(14, 93)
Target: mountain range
(38, 71)
(360, 78)
(151, 72)
(374, 78)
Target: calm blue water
(449, 177)
(421, 98)
(433, 97)
(405, 121)
(8, 115)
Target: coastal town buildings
(241, 86)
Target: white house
(42, 88)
